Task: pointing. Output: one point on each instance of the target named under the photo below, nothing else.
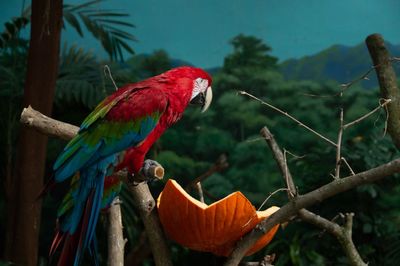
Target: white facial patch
(200, 85)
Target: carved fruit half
(211, 228)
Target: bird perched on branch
(132, 118)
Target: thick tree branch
(316, 196)
(140, 192)
(342, 234)
(387, 82)
(116, 241)
(146, 205)
(46, 125)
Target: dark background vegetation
(230, 127)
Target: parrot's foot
(150, 171)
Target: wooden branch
(316, 196)
(342, 233)
(46, 125)
(382, 103)
(141, 193)
(280, 160)
(339, 146)
(220, 165)
(116, 241)
(200, 191)
(289, 116)
(387, 82)
(146, 205)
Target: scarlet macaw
(134, 117)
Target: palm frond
(79, 79)
(12, 29)
(104, 24)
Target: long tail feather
(79, 213)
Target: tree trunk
(23, 207)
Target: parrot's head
(197, 85)
(202, 92)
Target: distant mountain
(339, 63)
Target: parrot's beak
(203, 99)
(208, 99)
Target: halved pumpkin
(212, 228)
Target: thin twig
(200, 191)
(348, 165)
(270, 195)
(220, 165)
(288, 115)
(358, 120)
(339, 146)
(107, 71)
(364, 76)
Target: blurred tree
(249, 51)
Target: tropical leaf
(104, 24)
(80, 78)
(13, 27)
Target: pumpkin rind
(215, 228)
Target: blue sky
(198, 31)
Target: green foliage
(79, 79)
(10, 35)
(249, 51)
(104, 24)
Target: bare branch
(364, 76)
(269, 196)
(303, 201)
(146, 205)
(47, 125)
(280, 159)
(387, 82)
(289, 116)
(339, 146)
(307, 216)
(343, 234)
(348, 166)
(200, 191)
(358, 120)
(220, 165)
(116, 241)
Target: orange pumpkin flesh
(212, 228)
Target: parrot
(117, 134)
